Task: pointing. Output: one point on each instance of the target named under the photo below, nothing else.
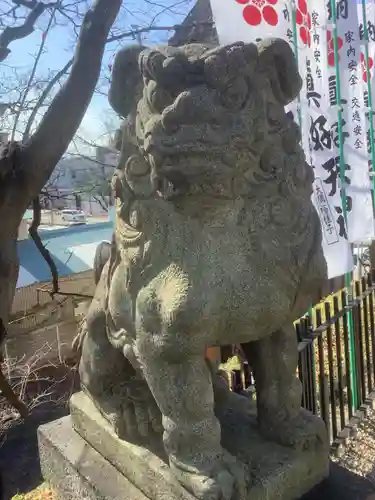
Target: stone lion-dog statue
(216, 242)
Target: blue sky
(60, 47)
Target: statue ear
(127, 83)
(278, 63)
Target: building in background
(38, 321)
(83, 183)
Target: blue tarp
(72, 250)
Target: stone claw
(228, 480)
(141, 414)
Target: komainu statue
(216, 242)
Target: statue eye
(136, 166)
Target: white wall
(23, 230)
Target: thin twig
(10, 34)
(43, 97)
(11, 397)
(6, 389)
(32, 74)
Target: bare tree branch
(43, 97)
(33, 231)
(24, 168)
(45, 147)
(6, 389)
(102, 202)
(11, 396)
(32, 74)
(10, 34)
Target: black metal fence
(336, 360)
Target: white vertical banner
(300, 40)
(355, 157)
(249, 20)
(369, 7)
(370, 18)
(323, 143)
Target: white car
(75, 216)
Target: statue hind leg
(274, 362)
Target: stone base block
(277, 473)
(75, 470)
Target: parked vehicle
(74, 216)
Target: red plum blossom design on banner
(363, 66)
(303, 20)
(331, 47)
(256, 11)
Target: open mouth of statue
(171, 186)
(186, 139)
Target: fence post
(348, 279)
(359, 347)
(323, 389)
(331, 370)
(372, 323)
(349, 379)
(336, 312)
(312, 363)
(366, 333)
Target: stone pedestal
(109, 468)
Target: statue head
(197, 114)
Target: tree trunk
(24, 169)
(8, 269)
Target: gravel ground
(360, 454)
(353, 475)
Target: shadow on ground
(19, 457)
(49, 391)
(342, 485)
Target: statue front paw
(141, 415)
(227, 480)
(130, 409)
(302, 433)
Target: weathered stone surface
(75, 470)
(277, 473)
(145, 469)
(216, 242)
